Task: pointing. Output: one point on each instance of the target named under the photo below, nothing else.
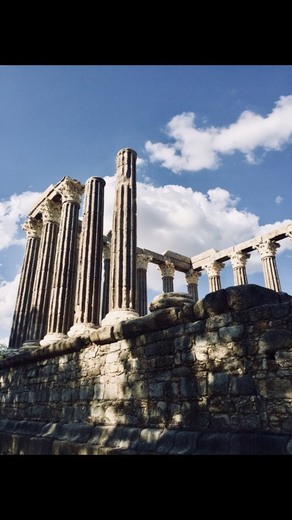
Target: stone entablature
(211, 377)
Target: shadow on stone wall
(181, 380)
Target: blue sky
(214, 155)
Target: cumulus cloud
(183, 220)
(193, 149)
(13, 212)
(8, 293)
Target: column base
(53, 338)
(116, 316)
(82, 329)
(30, 345)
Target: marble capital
(51, 211)
(239, 259)
(167, 269)
(32, 227)
(213, 268)
(192, 276)
(267, 248)
(71, 190)
(143, 261)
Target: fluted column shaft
(122, 291)
(88, 292)
(21, 316)
(44, 271)
(141, 297)
(267, 251)
(192, 283)
(167, 272)
(213, 271)
(238, 261)
(106, 280)
(61, 310)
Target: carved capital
(32, 227)
(239, 259)
(143, 260)
(51, 211)
(71, 190)
(192, 276)
(267, 248)
(167, 269)
(213, 268)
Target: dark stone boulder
(170, 299)
(237, 298)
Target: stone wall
(211, 377)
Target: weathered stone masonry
(211, 377)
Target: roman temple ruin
(94, 368)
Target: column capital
(143, 260)
(51, 211)
(239, 259)
(71, 190)
(167, 268)
(267, 248)
(213, 268)
(32, 227)
(192, 276)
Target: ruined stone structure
(94, 369)
(211, 377)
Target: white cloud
(193, 149)
(8, 293)
(278, 199)
(140, 162)
(13, 212)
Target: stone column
(44, 272)
(238, 261)
(267, 251)
(20, 322)
(141, 296)
(106, 279)
(167, 272)
(122, 292)
(192, 283)
(61, 309)
(88, 292)
(213, 269)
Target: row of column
(267, 251)
(59, 291)
(48, 303)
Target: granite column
(88, 292)
(61, 310)
(122, 290)
(20, 323)
(50, 211)
(267, 251)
